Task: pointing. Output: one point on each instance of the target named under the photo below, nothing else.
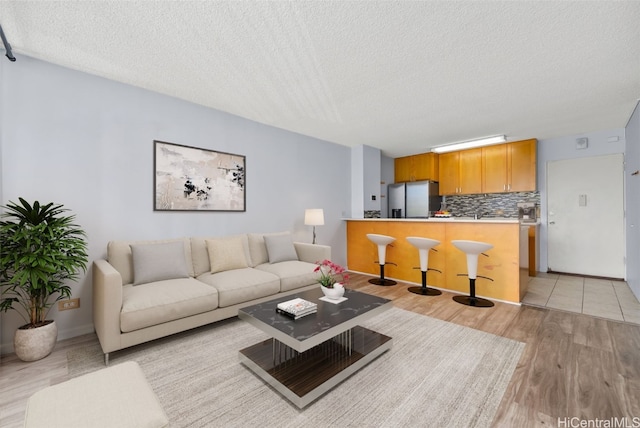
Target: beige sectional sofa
(145, 290)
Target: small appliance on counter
(417, 199)
(527, 212)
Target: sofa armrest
(107, 304)
(312, 253)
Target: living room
(87, 142)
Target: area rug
(437, 374)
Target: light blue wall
(87, 142)
(632, 190)
(565, 148)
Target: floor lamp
(314, 217)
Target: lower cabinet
(403, 262)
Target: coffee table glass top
(329, 317)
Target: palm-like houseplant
(40, 250)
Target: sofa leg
(106, 359)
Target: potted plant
(331, 275)
(41, 250)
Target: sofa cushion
(158, 302)
(258, 248)
(241, 285)
(201, 262)
(226, 254)
(157, 262)
(292, 274)
(119, 256)
(280, 248)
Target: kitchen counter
(443, 220)
(502, 266)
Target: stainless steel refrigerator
(416, 199)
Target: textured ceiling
(400, 76)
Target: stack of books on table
(296, 308)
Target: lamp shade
(314, 217)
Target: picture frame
(194, 179)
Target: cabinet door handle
(504, 187)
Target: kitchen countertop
(500, 220)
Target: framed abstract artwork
(192, 179)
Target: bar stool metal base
(382, 281)
(477, 302)
(425, 291)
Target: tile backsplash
(489, 204)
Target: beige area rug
(437, 374)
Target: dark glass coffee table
(307, 357)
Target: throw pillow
(280, 248)
(226, 254)
(157, 262)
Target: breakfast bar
(509, 280)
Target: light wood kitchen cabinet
(501, 263)
(509, 167)
(416, 167)
(461, 172)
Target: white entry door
(585, 219)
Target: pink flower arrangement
(330, 273)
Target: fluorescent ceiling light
(487, 141)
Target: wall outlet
(64, 305)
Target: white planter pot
(35, 343)
(333, 293)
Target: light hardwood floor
(573, 365)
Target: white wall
(632, 190)
(357, 182)
(565, 148)
(387, 169)
(87, 142)
(371, 178)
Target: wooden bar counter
(403, 263)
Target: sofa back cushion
(119, 255)
(258, 248)
(200, 253)
(158, 262)
(280, 248)
(227, 253)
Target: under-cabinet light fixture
(470, 144)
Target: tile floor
(596, 297)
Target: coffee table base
(303, 377)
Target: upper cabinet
(416, 168)
(461, 172)
(509, 167)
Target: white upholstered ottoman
(118, 396)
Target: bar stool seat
(424, 245)
(473, 249)
(381, 241)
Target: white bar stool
(473, 249)
(381, 241)
(424, 245)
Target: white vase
(333, 293)
(35, 343)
